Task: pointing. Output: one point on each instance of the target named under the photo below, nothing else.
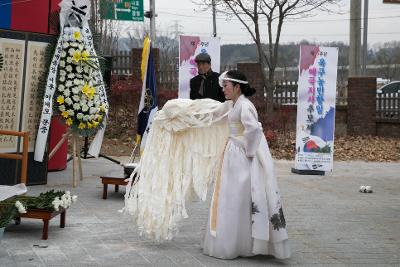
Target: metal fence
(168, 77)
(286, 93)
(388, 106)
(121, 62)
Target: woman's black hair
(244, 88)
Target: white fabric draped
(182, 156)
(193, 142)
(7, 191)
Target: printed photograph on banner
(189, 48)
(315, 126)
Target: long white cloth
(185, 152)
(181, 157)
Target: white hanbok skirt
(234, 213)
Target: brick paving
(329, 223)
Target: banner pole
(79, 158)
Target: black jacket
(211, 87)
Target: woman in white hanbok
(246, 216)
(191, 144)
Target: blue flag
(148, 102)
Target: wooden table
(44, 215)
(117, 181)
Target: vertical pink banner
(189, 47)
(316, 103)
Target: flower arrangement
(9, 211)
(77, 94)
(63, 200)
(50, 200)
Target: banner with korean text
(315, 125)
(189, 48)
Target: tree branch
(242, 21)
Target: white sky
(383, 25)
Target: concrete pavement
(329, 223)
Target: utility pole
(153, 22)
(365, 40)
(214, 19)
(355, 38)
(177, 29)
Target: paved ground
(329, 222)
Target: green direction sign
(122, 10)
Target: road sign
(122, 10)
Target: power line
(287, 21)
(284, 35)
(346, 12)
(177, 28)
(308, 21)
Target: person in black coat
(205, 84)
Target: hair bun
(244, 87)
(249, 91)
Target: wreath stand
(85, 150)
(77, 161)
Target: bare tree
(136, 34)
(252, 13)
(108, 31)
(166, 41)
(387, 56)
